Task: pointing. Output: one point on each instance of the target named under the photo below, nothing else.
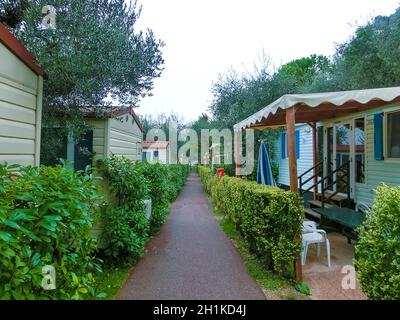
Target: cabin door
(339, 149)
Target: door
(338, 151)
(83, 155)
(342, 155)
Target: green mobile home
(21, 90)
(117, 131)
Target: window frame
(385, 135)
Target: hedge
(268, 218)
(125, 226)
(177, 175)
(164, 184)
(46, 217)
(377, 251)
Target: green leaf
(11, 224)
(5, 236)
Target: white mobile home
(21, 90)
(156, 151)
(357, 141)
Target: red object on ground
(221, 171)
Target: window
(83, 153)
(359, 137)
(155, 155)
(284, 145)
(393, 135)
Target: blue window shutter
(297, 144)
(378, 136)
(283, 145)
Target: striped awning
(316, 107)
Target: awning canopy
(316, 107)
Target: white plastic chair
(312, 235)
(309, 226)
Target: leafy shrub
(268, 218)
(207, 177)
(46, 216)
(126, 232)
(377, 254)
(125, 227)
(177, 175)
(158, 184)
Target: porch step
(336, 197)
(318, 204)
(312, 213)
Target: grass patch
(273, 286)
(111, 281)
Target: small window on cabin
(359, 137)
(156, 154)
(393, 135)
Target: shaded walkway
(191, 258)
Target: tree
(161, 121)
(94, 56)
(11, 12)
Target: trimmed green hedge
(377, 253)
(125, 227)
(164, 183)
(46, 218)
(268, 218)
(177, 175)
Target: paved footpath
(191, 258)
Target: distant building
(156, 151)
(117, 131)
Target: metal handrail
(311, 169)
(302, 183)
(325, 188)
(345, 168)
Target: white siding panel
(99, 127)
(16, 129)
(122, 143)
(17, 96)
(17, 146)
(304, 163)
(24, 160)
(15, 70)
(125, 137)
(20, 111)
(16, 113)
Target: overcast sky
(206, 37)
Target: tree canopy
(369, 59)
(95, 57)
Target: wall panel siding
(376, 171)
(304, 163)
(17, 96)
(15, 70)
(125, 137)
(13, 112)
(17, 146)
(99, 127)
(24, 159)
(14, 129)
(20, 111)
